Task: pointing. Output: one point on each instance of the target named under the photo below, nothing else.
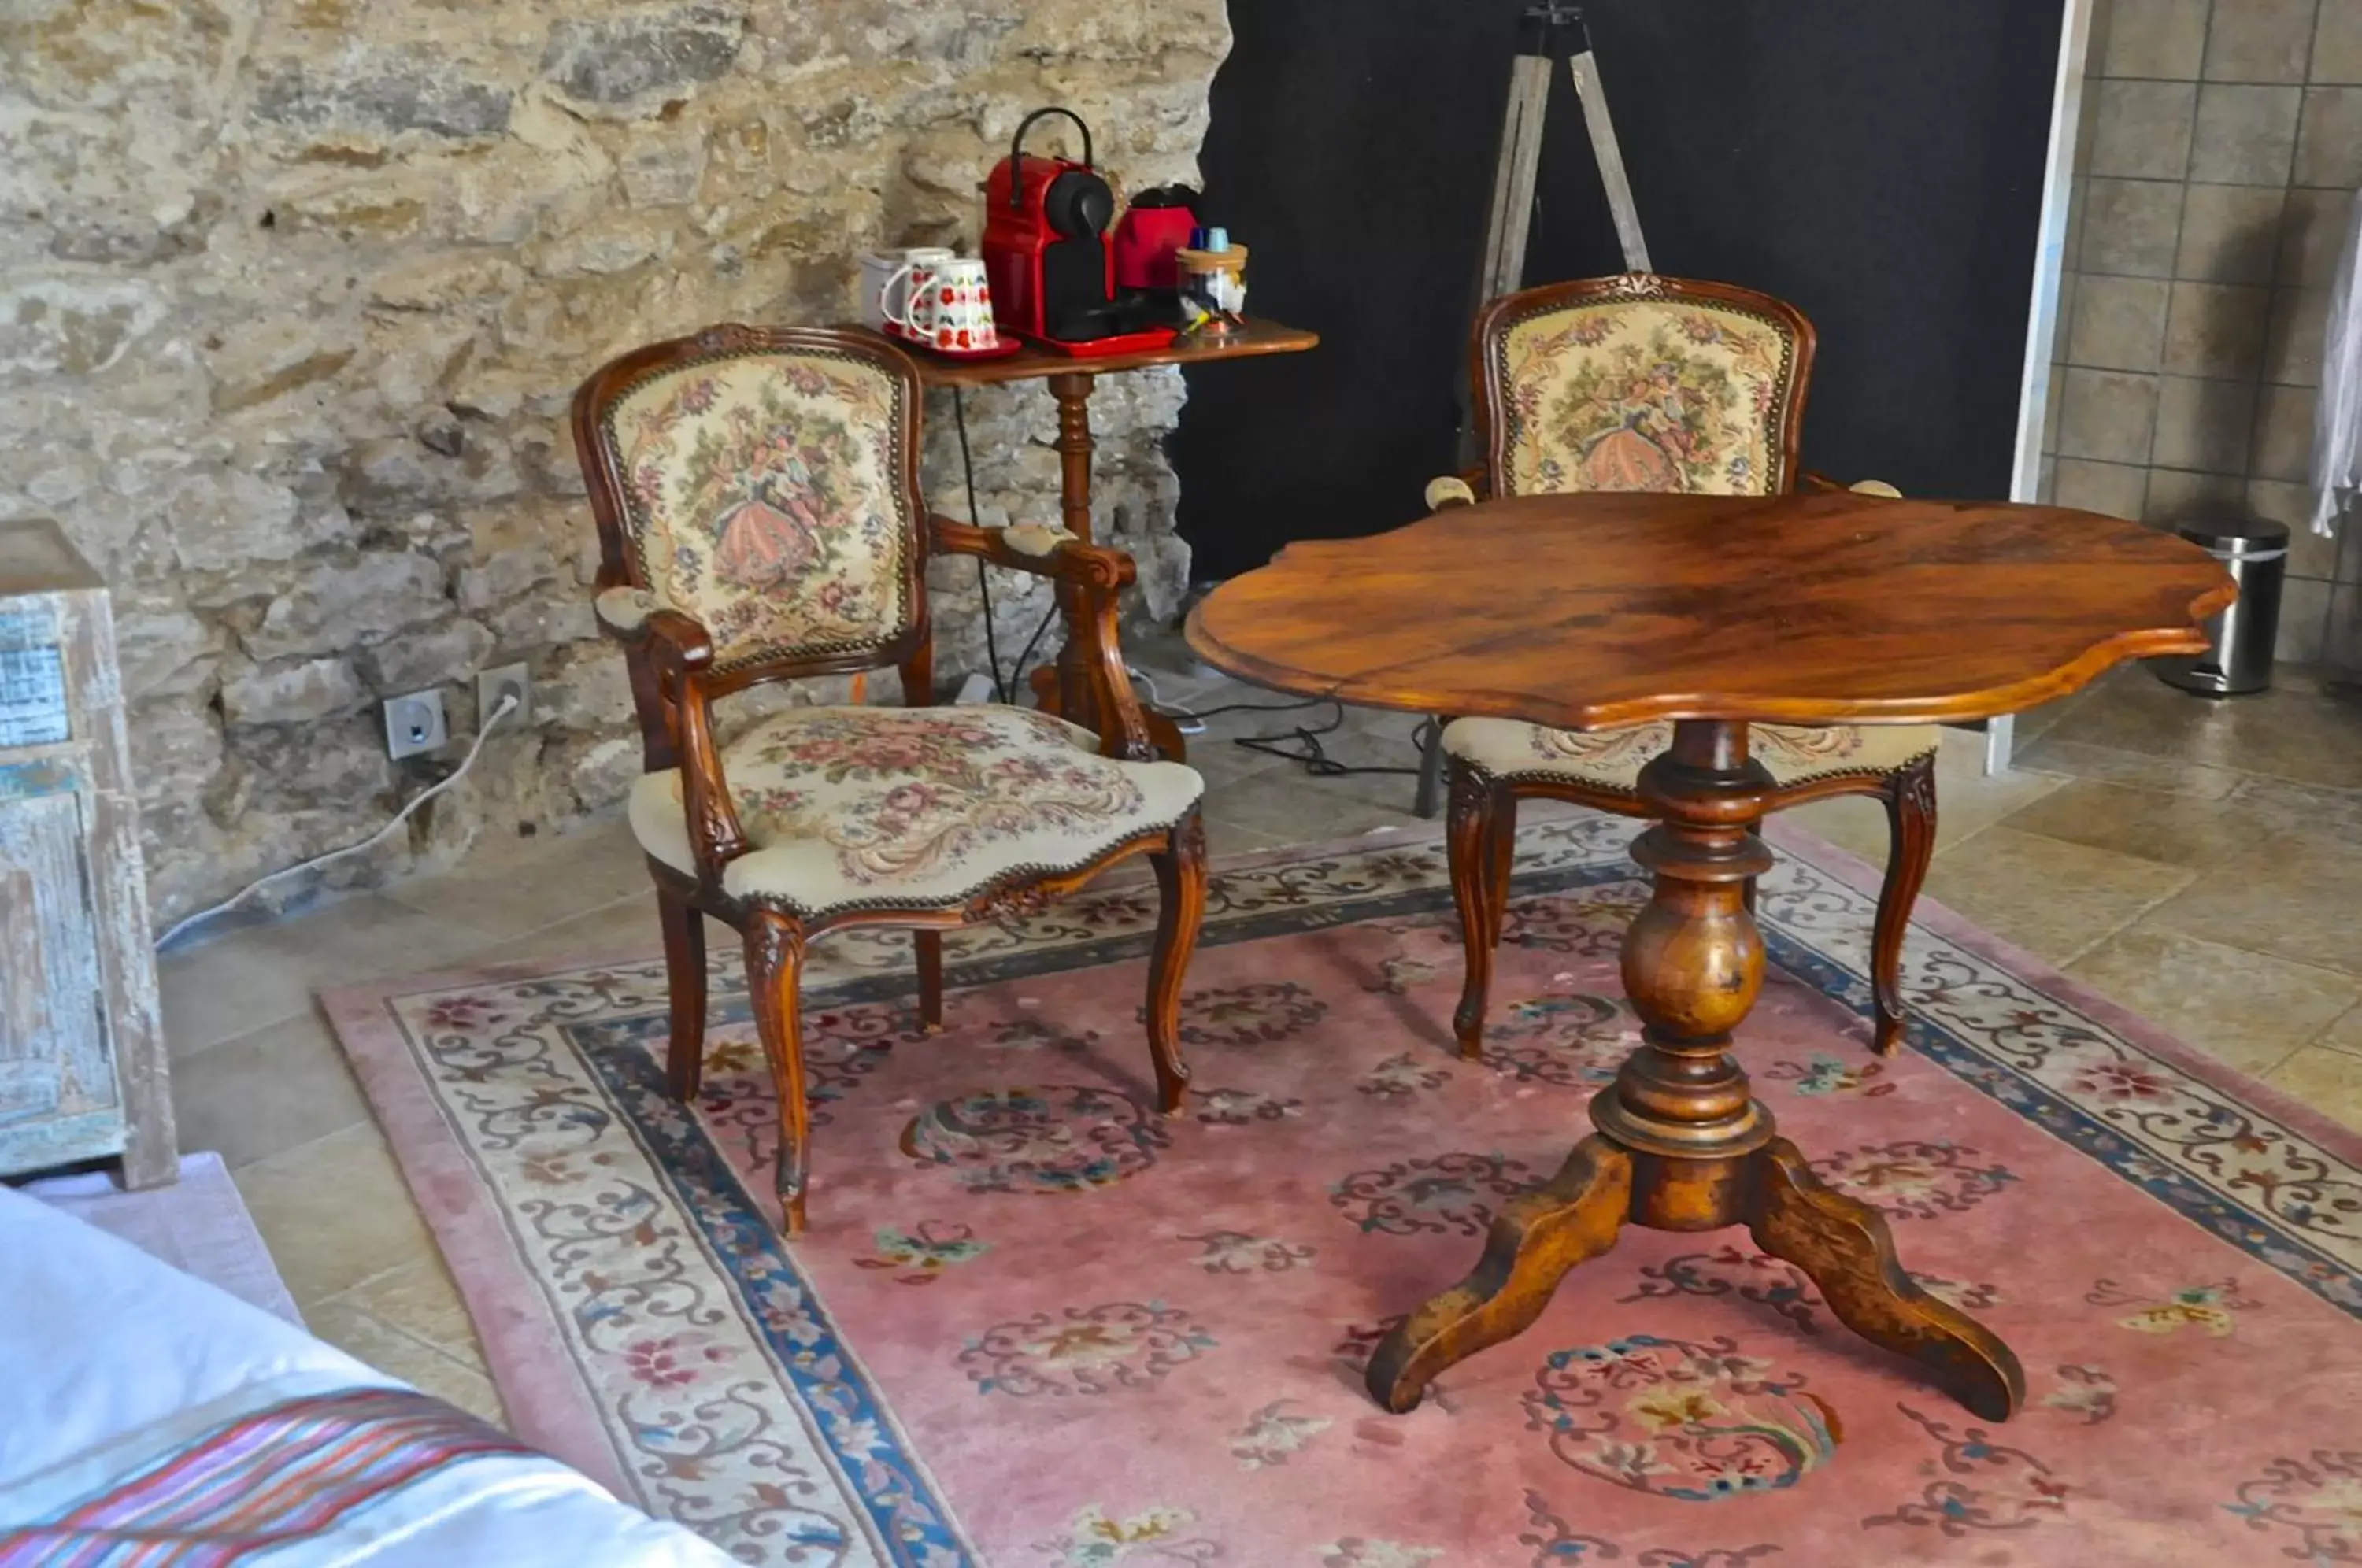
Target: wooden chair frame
(675, 682)
(1481, 811)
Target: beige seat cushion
(914, 808)
(1611, 759)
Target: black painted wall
(1879, 165)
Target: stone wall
(293, 294)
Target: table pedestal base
(1682, 1144)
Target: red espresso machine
(1046, 254)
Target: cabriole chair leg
(1910, 796)
(929, 947)
(775, 961)
(1474, 860)
(684, 949)
(1181, 887)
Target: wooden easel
(1547, 33)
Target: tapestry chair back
(765, 483)
(1641, 383)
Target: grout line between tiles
(2324, 1041)
(2123, 926)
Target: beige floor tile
(1966, 801)
(397, 1354)
(2329, 1081)
(1225, 837)
(2284, 806)
(2291, 732)
(2172, 830)
(2058, 753)
(1296, 809)
(534, 883)
(2345, 1035)
(2292, 897)
(1226, 766)
(267, 1092)
(627, 926)
(335, 1213)
(419, 1298)
(2038, 722)
(236, 983)
(1857, 826)
(2056, 900)
(2244, 1008)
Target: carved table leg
(1538, 1236)
(1843, 1246)
(1062, 687)
(1682, 1144)
(1066, 678)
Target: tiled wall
(2223, 141)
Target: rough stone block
(73, 326)
(335, 606)
(622, 60)
(316, 689)
(590, 689)
(176, 750)
(392, 97)
(538, 622)
(431, 655)
(163, 650)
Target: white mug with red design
(883, 272)
(947, 305)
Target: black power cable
(1312, 755)
(983, 586)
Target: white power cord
(1185, 721)
(508, 703)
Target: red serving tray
(1145, 342)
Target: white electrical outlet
(413, 723)
(510, 679)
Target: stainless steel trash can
(2255, 552)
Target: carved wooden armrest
(1096, 577)
(676, 651)
(1822, 483)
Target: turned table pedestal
(1061, 687)
(1601, 612)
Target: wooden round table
(1600, 612)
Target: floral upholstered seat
(914, 808)
(1507, 750)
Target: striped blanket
(278, 1477)
(147, 1419)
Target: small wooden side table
(1601, 612)
(1061, 688)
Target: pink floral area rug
(1036, 1324)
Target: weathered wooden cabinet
(81, 1052)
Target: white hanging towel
(2337, 417)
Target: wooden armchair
(1641, 382)
(759, 519)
